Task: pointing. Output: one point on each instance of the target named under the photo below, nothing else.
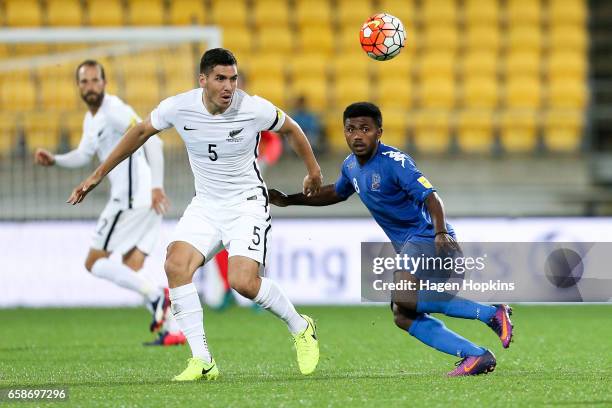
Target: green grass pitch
(562, 356)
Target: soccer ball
(382, 36)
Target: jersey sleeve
(344, 187)
(162, 117)
(269, 117)
(411, 180)
(80, 156)
(121, 117)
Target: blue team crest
(375, 182)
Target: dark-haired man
(130, 223)
(220, 126)
(408, 209)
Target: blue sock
(456, 307)
(434, 333)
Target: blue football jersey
(394, 191)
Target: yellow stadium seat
(308, 66)
(347, 91)
(439, 12)
(518, 130)
(567, 94)
(105, 12)
(62, 71)
(179, 63)
(432, 131)
(278, 40)
(397, 68)
(9, 123)
(478, 12)
(177, 85)
(523, 92)
(479, 63)
(475, 130)
(229, 14)
(239, 40)
(525, 38)
(58, 94)
(355, 67)
(146, 12)
(139, 65)
(347, 42)
(482, 38)
(567, 64)
(563, 130)
(567, 11)
(437, 64)
(142, 92)
(522, 63)
(334, 130)
(437, 93)
(315, 90)
(395, 93)
(272, 89)
(72, 124)
(64, 13)
(480, 92)
(351, 14)
(316, 39)
(30, 49)
(440, 38)
(18, 95)
(523, 12)
(568, 38)
(187, 12)
(395, 127)
(266, 66)
(42, 130)
(313, 13)
(270, 13)
(402, 9)
(23, 13)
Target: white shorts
(120, 230)
(241, 227)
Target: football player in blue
(408, 209)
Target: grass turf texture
(561, 356)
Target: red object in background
(270, 147)
(221, 259)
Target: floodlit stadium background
(502, 103)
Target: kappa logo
(233, 133)
(397, 156)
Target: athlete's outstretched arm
(135, 137)
(327, 196)
(301, 146)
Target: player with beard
(131, 221)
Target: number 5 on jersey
(213, 154)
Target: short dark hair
(90, 63)
(367, 109)
(214, 57)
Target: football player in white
(220, 126)
(130, 222)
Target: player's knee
(403, 318)
(176, 267)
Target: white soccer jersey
(222, 148)
(131, 179)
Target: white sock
(272, 298)
(189, 316)
(170, 324)
(125, 277)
